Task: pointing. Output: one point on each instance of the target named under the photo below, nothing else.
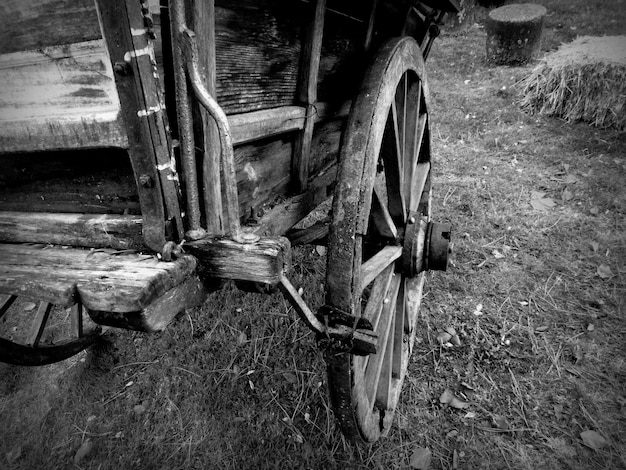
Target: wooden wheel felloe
(50, 335)
(381, 239)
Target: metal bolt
(146, 181)
(121, 68)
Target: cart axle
(426, 245)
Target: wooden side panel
(101, 279)
(263, 168)
(115, 231)
(36, 24)
(59, 97)
(258, 49)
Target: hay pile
(583, 80)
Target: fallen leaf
(541, 329)
(242, 338)
(594, 210)
(593, 440)
(539, 202)
(595, 246)
(567, 195)
(501, 423)
(83, 451)
(443, 337)
(570, 179)
(321, 250)
(290, 377)
(604, 271)
(29, 306)
(469, 415)
(420, 459)
(14, 454)
(139, 409)
(449, 398)
(497, 254)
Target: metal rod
(185, 125)
(226, 141)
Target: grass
(239, 383)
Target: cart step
(118, 288)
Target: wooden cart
(150, 151)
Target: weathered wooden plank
(97, 231)
(307, 93)
(116, 18)
(101, 280)
(263, 176)
(59, 97)
(285, 215)
(160, 312)
(256, 125)
(35, 24)
(264, 261)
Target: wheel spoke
(374, 307)
(401, 117)
(413, 135)
(413, 300)
(377, 263)
(419, 184)
(381, 218)
(5, 303)
(383, 390)
(375, 363)
(77, 319)
(392, 158)
(39, 324)
(398, 331)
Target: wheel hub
(426, 245)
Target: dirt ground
(536, 292)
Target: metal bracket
(339, 332)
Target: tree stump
(514, 33)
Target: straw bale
(583, 80)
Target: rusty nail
(146, 181)
(121, 68)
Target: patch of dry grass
(239, 383)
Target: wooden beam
(142, 113)
(307, 94)
(285, 215)
(160, 313)
(88, 230)
(264, 261)
(256, 125)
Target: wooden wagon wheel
(381, 239)
(46, 338)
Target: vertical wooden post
(143, 115)
(307, 94)
(201, 19)
(369, 33)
